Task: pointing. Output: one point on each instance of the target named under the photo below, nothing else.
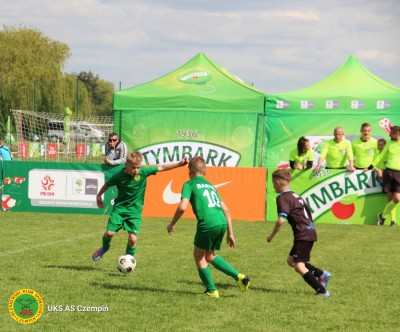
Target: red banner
(80, 150)
(52, 150)
(23, 150)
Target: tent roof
(199, 84)
(351, 81)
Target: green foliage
(31, 77)
(50, 253)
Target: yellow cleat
(243, 282)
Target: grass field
(50, 254)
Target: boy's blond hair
(197, 165)
(283, 175)
(134, 157)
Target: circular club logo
(25, 306)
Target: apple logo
(344, 208)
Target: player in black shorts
(293, 208)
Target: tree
(28, 57)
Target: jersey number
(212, 198)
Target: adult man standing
(116, 150)
(336, 151)
(365, 148)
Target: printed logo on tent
(330, 104)
(193, 76)
(382, 104)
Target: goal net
(41, 136)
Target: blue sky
(278, 46)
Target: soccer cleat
(393, 223)
(214, 294)
(323, 280)
(243, 282)
(381, 220)
(323, 295)
(98, 254)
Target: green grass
(50, 253)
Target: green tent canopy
(351, 86)
(199, 108)
(199, 84)
(348, 97)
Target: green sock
(206, 278)
(130, 250)
(222, 265)
(388, 209)
(106, 243)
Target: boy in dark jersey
(127, 210)
(293, 208)
(213, 220)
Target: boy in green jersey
(127, 210)
(390, 175)
(365, 148)
(213, 220)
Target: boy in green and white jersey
(213, 220)
(127, 209)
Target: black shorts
(391, 181)
(301, 251)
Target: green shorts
(124, 221)
(210, 239)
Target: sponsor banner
(72, 188)
(335, 196)
(224, 139)
(241, 188)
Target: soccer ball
(126, 263)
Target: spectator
(365, 148)
(5, 152)
(336, 151)
(303, 156)
(116, 150)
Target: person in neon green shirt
(390, 175)
(336, 151)
(381, 143)
(364, 148)
(303, 156)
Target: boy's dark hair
(395, 130)
(283, 175)
(301, 143)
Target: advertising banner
(335, 196)
(223, 139)
(72, 188)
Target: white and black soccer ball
(126, 264)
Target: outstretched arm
(167, 167)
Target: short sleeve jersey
(292, 207)
(205, 201)
(131, 190)
(336, 154)
(302, 159)
(364, 152)
(390, 153)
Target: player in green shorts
(213, 220)
(365, 148)
(336, 151)
(127, 210)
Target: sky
(277, 46)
